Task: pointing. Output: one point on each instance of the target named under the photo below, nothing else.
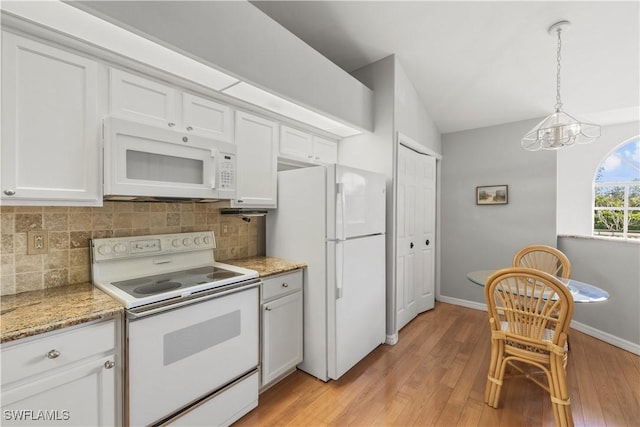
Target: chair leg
(560, 394)
(494, 377)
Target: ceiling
(477, 63)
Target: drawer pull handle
(285, 285)
(53, 354)
(268, 308)
(109, 364)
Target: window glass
(616, 193)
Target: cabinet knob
(411, 245)
(185, 139)
(427, 242)
(189, 128)
(9, 192)
(268, 308)
(240, 201)
(285, 285)
(309, 157)
(53, 354)
(317, 158)
(109, 364)
(171, 124)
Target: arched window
(616, 191)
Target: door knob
(411, 245)
(427, 242)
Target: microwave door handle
(214, 172)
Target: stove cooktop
(160, 283)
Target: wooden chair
(545, 258)
(529, 314)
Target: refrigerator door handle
(339, 269)
(343, 209)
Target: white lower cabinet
(281, 326)
(68, 378)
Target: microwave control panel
(227, 172)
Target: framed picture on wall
(492, 195)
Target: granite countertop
(266, 266)
(31, 313)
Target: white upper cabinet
(50, 131)
(141, 99)
(257, 154)
(148, 101)
(296, 144)
(324, 150)
(207, 118)
(304, 147)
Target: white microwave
(144, 162)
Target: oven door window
(177, 356)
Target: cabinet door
(80, 396)
(207, 118)
(142, 100)
(282, 336)
(325, 150)
(296, 144)
(257, 151)
(50, 126)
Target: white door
(324, 150)
(406, 237)
(415, 238)
(296, 143)
(356, 301)
(426, 202)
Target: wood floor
(436, 374)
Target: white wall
(577, 168)
(411, 117)
(487, 237)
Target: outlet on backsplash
(37, 242)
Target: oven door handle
(192, 299)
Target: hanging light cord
(558, 101)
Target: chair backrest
(545, 258)
(529, 307)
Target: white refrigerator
(333, 218)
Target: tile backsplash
(70, 228)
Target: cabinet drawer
(273, 287)
(34, 357)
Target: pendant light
(559, 129)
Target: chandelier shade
(559, 129)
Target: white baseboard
(586, 329)
(463, 303)
(606, 337)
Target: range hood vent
(243, 212)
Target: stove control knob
(119, 248)
(207, 240)
(186, 241)
(104, 250)
(197, 241)
(175, 243)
